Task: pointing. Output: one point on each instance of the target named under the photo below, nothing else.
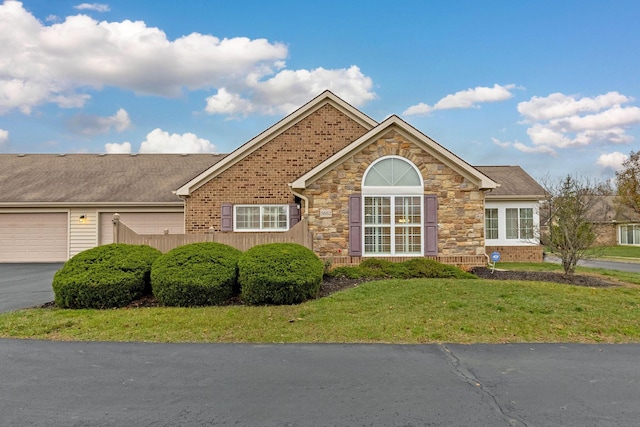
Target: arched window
(393, 208)
(394, 172)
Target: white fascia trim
(536, 198)
(86, 204)
(412, 133)
(264, 137)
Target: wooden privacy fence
(299, 233)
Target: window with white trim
(630, 234)
(393, 208)
(261, 217)
(491, 223)
(519, 223)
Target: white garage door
(142, 223)
(33, 237)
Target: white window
(393, 208)
(261, 217)
(630, 234)
(491, 223)
(519, 223)
(512, 223)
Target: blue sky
(552, 86)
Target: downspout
(306, 200)
(484, 210)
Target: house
(615, 223)
(362, 189)
(54, 206)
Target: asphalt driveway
(26, 285)
(126, 384)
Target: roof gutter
(84, 204)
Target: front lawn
(386, 311)
(622, 251)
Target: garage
(33, 237)
(142, 223)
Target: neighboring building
(615, 223)
(363, 189)
(54, 206)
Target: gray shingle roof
(149, 178)
(513, 180)
(609, 208)
(95, 178)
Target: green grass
(387, 311)
(619, 251)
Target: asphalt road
(633, 267)
(124, 384)
(26, 285)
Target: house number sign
(326, 213)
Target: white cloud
(228, 104)
(546, 136)
(503, 144)
(63, 62)
(4, 137)
(92, 125)
(159, 141)
(50, 64)
(559, 105)
(288, 89)
(97, 7)
(564, 121)
(464, 99)
(612, 160)
(418, 109)
(538, 150)
(613, 117)
(115, 148)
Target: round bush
(195, 275)
(279, 273)
(106, 276)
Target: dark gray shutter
(226, 217)
(294, 214)
(355, 225)
(430, 225)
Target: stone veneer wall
(263, 176)
(460, 202)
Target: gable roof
(68, 179)
(605, 209)
(326, 97)
(514, 182)
(396, 123)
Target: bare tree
(628, 182)
(573, 204)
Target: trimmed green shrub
(106, 276)
(373, 268)
(279, 273)
(423, 267)
(195, 275)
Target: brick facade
(606, 234)
(518, 253)
(460, 203)
(263, 176)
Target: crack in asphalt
(467, 376)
